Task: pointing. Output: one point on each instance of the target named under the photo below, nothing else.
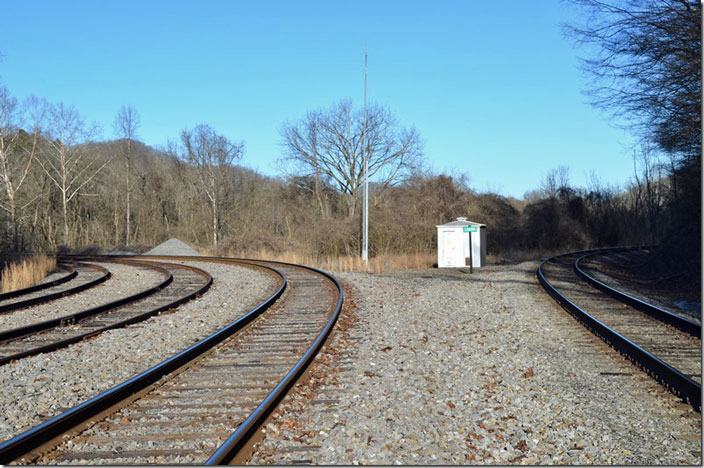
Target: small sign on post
(470, 230)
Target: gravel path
(125, 280)
(484, 369)
(39, 387)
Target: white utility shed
(454, 240)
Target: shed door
(452, 249)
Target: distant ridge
(172, 246)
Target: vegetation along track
(87, 276)
(182, 283)
(71, 273)
(185, 409)
(664, 345)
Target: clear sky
(494, 88)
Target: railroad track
(666, 346)
(587, 273)
(205, 404)
(81, 276)
(181, 283)
(597, 266)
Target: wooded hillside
(76, 195)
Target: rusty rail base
(671, 378)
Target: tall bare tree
(555, 181)
(649, 190)
(17, 151)
(212, 155)
(333, 145)
(126, 124)
(647, 66)
(67, 161)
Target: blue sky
(494, 88)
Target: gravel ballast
(480, 369)
(39, 387)
(125, 280)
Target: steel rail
(234, 444)
(47, 431)
(73, 318)
(72, 273)
(682, 323)
(4, 308)
(673, 379)
(231, 449)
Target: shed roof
(461, 222)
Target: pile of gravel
(173, 246)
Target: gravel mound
(172, 247)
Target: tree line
(60, 187)
(646, 63)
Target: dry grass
(379, 264)
(28, 272)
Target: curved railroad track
(664, 345)
(87, 276)
(585, 271)
(181, 284)
(205, 404)
(591, 268)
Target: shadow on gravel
(484, 275)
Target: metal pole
(365, 220)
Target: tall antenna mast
(365, 215)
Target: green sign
(469, 229)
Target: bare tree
(556, 181)
(312, 182)
(212, 155)
(67, 162)
(126, 124)
(649, 190)
(647, 66)
(17, 151)
(332, 145)
(648, 71)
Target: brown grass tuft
(26, 273)
(379, 264)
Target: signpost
(470, 230)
